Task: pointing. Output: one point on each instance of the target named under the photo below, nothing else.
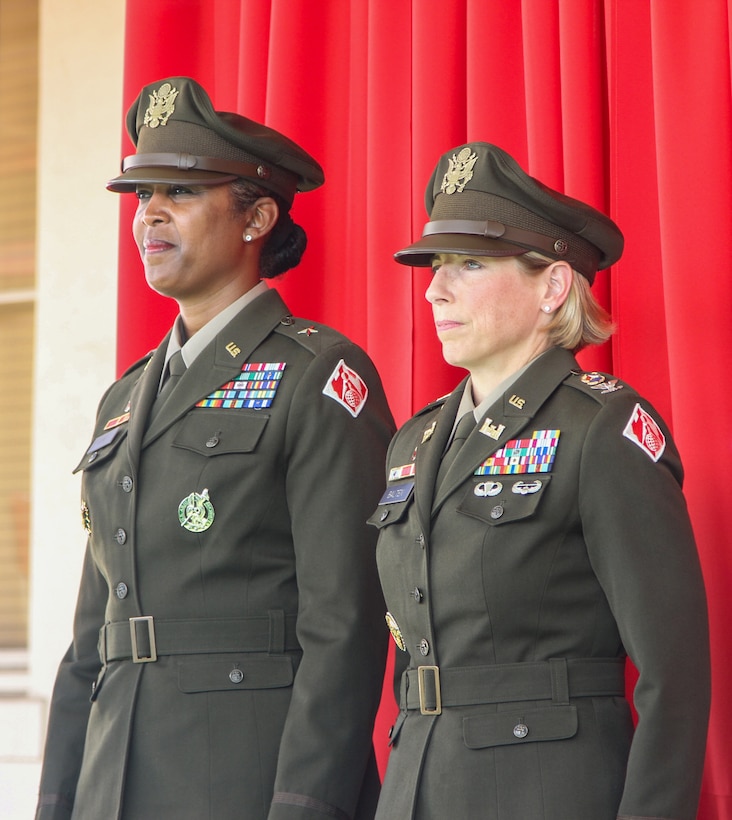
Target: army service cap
(181, 139)
(482, 202)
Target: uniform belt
(143, 639)
(431, 688)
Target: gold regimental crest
(161, 105)
(396, 633)
(459, 172)
(196, 512)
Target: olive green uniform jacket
(267, 619)
(520, 591)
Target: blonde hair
(581, 320)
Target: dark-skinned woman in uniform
(228, 648)
(534, 535)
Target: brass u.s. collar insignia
(161, 106)
(517, 401)
(459, 172)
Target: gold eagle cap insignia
(162, 105)
(459, 172)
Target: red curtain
(624, 104)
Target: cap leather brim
(165, 176)
(420, 254)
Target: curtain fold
(626, 105)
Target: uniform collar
(191, 348)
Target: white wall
(80, 126)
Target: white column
(80, 127)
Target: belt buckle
(153, 656)
(423, 708)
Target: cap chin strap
(497, 230)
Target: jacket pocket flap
(525, 726)
(218, 432)
(268, 672)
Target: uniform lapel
(221, 360)
(507, 417)
(435, 434)
(141, 400)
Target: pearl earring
(546, 309)
(248, 237)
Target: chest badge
(196, 512)
(487, 489)
(526, 487)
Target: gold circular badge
(196, 512)
(396, 633)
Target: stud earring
(546, 308)
(248, 237)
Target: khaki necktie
(462, 431)
(176, 368)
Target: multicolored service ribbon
(254, 389)
(523, 455)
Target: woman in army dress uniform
(526, 555)
(228, 646)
